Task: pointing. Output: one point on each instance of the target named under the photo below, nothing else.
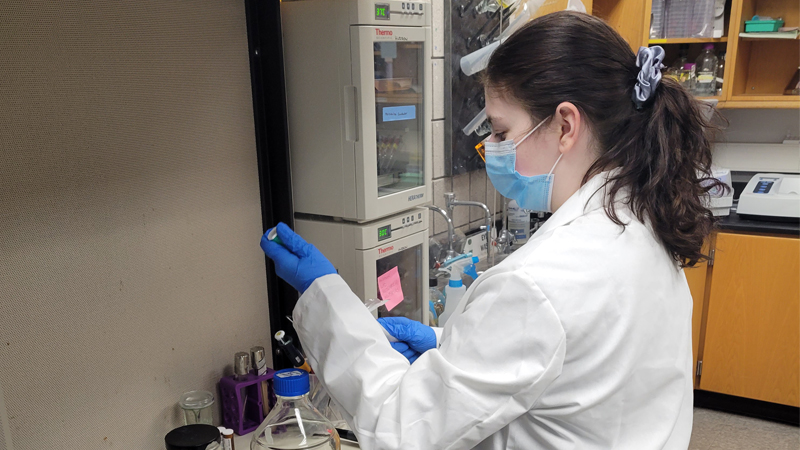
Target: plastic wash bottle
(455, 288)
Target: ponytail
(666, 167)
(661, 147)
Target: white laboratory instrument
(720, 199)
(363, 252)
(358, 87)
(719, 21)
(771, 196)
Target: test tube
(273, 236)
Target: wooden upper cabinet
(756, 70)
(763, 67)
(631, 18)
(551, 6)
(752, 339)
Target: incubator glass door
(391, 72)
(409, 263)
(399, 113)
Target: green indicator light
(382, 11)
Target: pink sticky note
(390, 288)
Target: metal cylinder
(241, 364)
(259, 359)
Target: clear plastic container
(706, 72)
(702, 21)
(437, 302)
(657, 15)
(678, 18)
(687, 77)
(688, 18)
(519, 223)
(720, 72)
(294, 423)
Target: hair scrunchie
(649, 60)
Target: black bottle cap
(192, 437)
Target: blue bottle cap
(455, 283)
(291, 382)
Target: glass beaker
(196, 406)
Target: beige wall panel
(129, 216)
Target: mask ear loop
(549, 177)
(531, 132)
(554, 165)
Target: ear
(570, 123)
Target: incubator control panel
(397, 226)
(392, 12)
(383, 11)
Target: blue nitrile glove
(415, 338)
(296, 261)
(406, 351)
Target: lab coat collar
(590, 197)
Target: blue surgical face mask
(534, 193)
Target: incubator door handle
(350, 114)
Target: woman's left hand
(415, 338)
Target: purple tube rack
(241, 400)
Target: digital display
(382, 11)
(384, 232)
(763, 186)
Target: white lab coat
(579, 340)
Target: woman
(581, 339)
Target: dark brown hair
(663, 150)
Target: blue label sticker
(394, 113)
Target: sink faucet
(451, 202)
(451, 234)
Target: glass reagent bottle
(294, 423)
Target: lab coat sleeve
(438, 331)
(494, 361)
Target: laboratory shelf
(770, 36)
(744, 101)
(720, 102)
(687, 40)
(398, 97)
